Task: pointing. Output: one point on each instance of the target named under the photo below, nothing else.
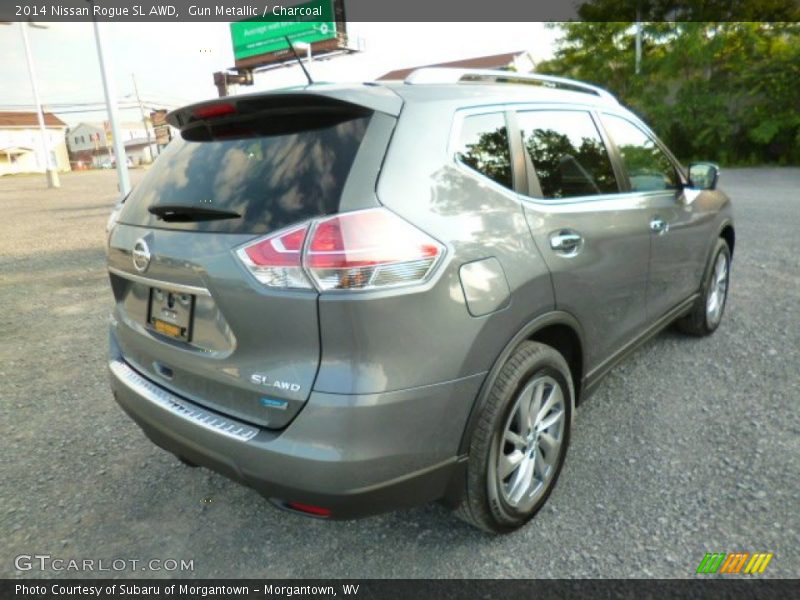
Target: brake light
(368, 249)
(214, 110)
(276, 260)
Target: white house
(91, 143)
(21, 143)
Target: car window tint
(567, 153)
(483, 145)
(648, 168)
(271, 179)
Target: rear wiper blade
(185, 213)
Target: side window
(567, 153)
(648, 168)
(483, 145)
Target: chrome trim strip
(177, 287)
(179, 407)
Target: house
(91, 144)
(21, 143)
(520, 61)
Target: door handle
(566, 242)
(659, 226)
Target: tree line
(722, 91)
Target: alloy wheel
(528, 453)
(715, 302)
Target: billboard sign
(159, 120)
(311, 22)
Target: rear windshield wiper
(183, 213)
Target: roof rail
(429, 75)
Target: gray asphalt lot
(691, 446)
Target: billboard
(313, 21)
(159, 120)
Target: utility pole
(50, 169)
(111, 105)
(638, 46)
(223, 79)
(638, 66)
(144, 118)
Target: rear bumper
(354, 455)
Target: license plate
(171, 313)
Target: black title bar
(399, 589)
(405, 10)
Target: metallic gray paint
(604, 285)
(485, 286)
(392, 382)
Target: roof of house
(101, 125)
(128, 125)
(479, 62)
(28, 119)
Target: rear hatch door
(189, 314)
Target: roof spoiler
(345, 101)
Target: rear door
(593, 238)
(189, 313)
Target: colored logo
(735, 563)
(273, 403)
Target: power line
(55, 106)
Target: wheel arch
(728, 234)
(557, 329)
(725, 231)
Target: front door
(677, 253)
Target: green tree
(718, 91)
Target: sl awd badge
(286, 386)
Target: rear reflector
(362, 250)
(310, 509)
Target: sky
(173, 62)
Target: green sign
(310, 22)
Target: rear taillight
(276, 260)
(368, 249)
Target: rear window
(270, 180)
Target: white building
(91, 144)
(21, 143)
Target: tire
(496, 499)
(706, 314)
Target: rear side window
(270, 180)
(483, 146)
(648, 168)
(567, 153)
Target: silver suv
(357, 298)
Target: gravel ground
(688, 447)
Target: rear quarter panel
(391, 340)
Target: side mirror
(703, 176)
